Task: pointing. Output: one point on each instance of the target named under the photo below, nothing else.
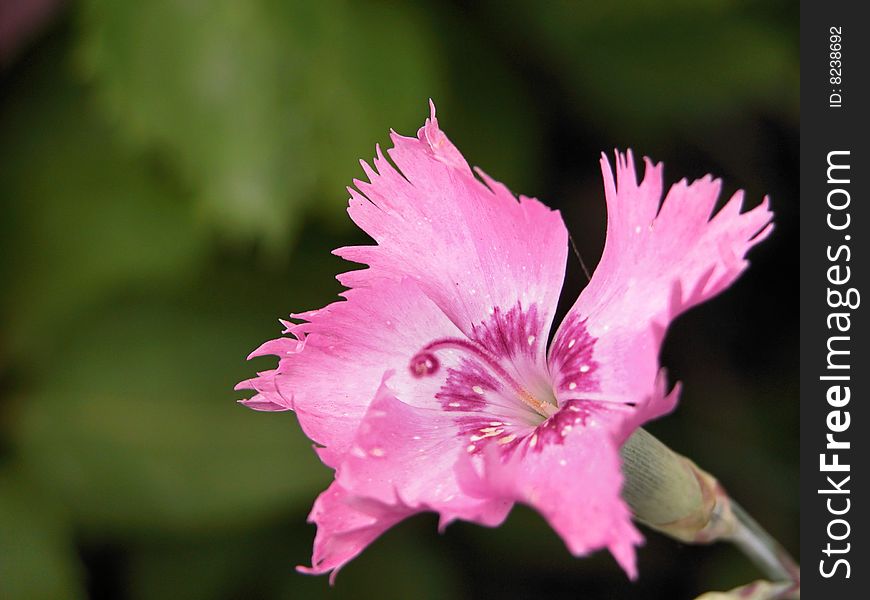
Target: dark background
(172, 179)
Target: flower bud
(671, 494)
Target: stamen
(424, 363)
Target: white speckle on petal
(378, 452)
(454, 405)
(637, 229)
(477, 389)
(572, 342)
(508, 439)
(531, 340)
(584, 368)
(533, 441)
(563, 462)
(471, 448)
(572, 385)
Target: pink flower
(431, 386)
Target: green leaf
(37, 558)
(82, 218)
(263, 106)
(645, 68)
(133, 423)
(411, 560)
(207, 567)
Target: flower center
(424, 363)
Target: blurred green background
(172, 180)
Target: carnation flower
(431, 386)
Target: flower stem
(767, 554)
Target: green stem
(767, 554)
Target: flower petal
(657, 263)
(469, 244)
(406, 455)
(402, 462)
(331, 369)
(346, 525)
(569, 471)
(267, 397)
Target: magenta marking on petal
(511, 333)
(573, 414)
(424, 363)
(484, 357)
(507, 438)
(488, 388)
(466, 388)
(477, 351)
(571, 359)
(483, 430)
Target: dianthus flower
(431, 385)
